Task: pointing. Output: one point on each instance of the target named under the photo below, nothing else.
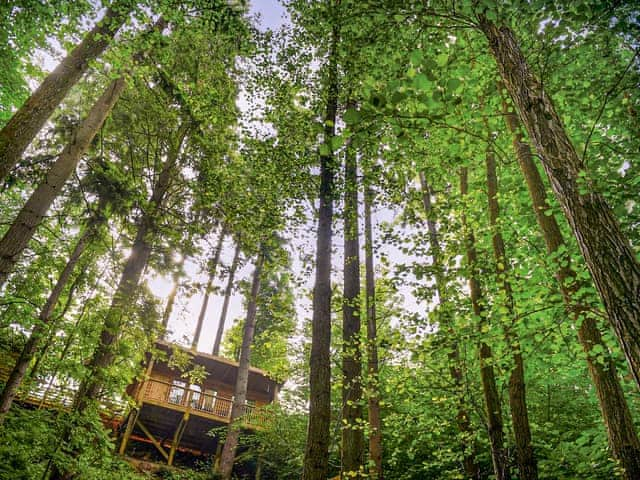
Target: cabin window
(195, 396)
(177, 392)
(209, 400)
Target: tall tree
(15, 240)
(373, 379)
(463, 418)
(227, 297)
(212, 267)
(125, 294)
(527, 464)
(621, 433)
(18, 133)
(316, 462)
(607, 252)
(352, 427)
(492, 402)
(240, 393)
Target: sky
(272, 13)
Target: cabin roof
(224, 368)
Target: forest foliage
(497, 144)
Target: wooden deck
(181, 399)
(56, 394)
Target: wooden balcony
(183, 399)
(54, 393)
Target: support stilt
(131, 422)
(216, 458)
(177, 436)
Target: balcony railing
(170, 395)
(59, 393)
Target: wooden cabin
(175, 416)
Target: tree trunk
(46, 313)
(15, 240)
(606, 250)
(489, 388)
(462, 417)
(527, 464)
(316, 458)
(352, 433)
(622, 436)
(207, 292)
(240, 393)
(225, 303)
(25, 124)
(124, 297)
(375, 423)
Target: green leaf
(422, 82)
(324, 150)
(442, 59)
(337, 142)
(453, 85)
(398, 97)
(352, 117)
(416, 57)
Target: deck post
(131, 422)
(177, 437)
(216, 458)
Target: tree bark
(527, 464)
(621, 434)
(46, 314)
(227, 298)
(487, 375)
(207, 291)
(606, 250)
(455, 369)
(15, 240)
(316, 457)
(352, 433)
(25, 124)
(375, 423)
(240, 394)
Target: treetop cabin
(180, 399)
(175, 412)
